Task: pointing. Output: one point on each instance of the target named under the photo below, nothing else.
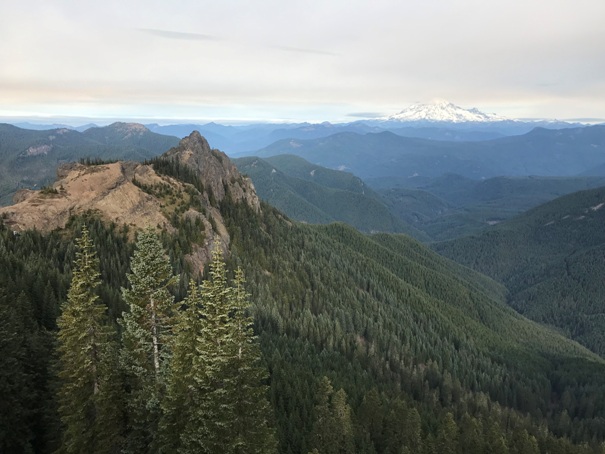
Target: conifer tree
(447, 437)
(216, 400)
(85, 367)
(209, 429)
(17, 386)
(252, 431)
(186, 375)
(371, 415)
(471, 435)
(333, 429)
(495, 441)
(323, 427)
(146, 333)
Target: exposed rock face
(107, 189)
(134, 194)
(215, 169)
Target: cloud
(365, 114)
(305, 51)
(178, 35)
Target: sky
(312, 60)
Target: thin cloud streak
(169, 34)
(366, 114)
(305, 51)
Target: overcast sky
(291, 60)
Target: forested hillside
(452, 206)
(314, 194)
(551, 260)
(372, 343)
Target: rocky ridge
(134, 194)
(215, 169)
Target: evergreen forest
(302, 339)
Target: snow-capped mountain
(443, 112)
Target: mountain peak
(214, 168)
(443, 111)
(122, 125)
(195, 142)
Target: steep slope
(311, 193)
(452, 206)
(140, 195)
(345, 304)
(214, 168)
(108, 189)
(295, 166)
(550, 259)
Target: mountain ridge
(141, 194)
(544, 152)
(30, 158)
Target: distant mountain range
(443, 122)
(438, 121)
(431, 189)
(564, 152)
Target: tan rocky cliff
(106, 189)
(134, 194)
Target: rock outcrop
(106, 189)
(136, 195)
(215, 169)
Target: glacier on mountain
(443, 111)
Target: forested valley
(551, 260)
(362, 343)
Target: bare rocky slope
(134, 194)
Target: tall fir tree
(216, 399)
(252, 431)
(447, 436)
(86, 366)
(186, 376)
(146, 332)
